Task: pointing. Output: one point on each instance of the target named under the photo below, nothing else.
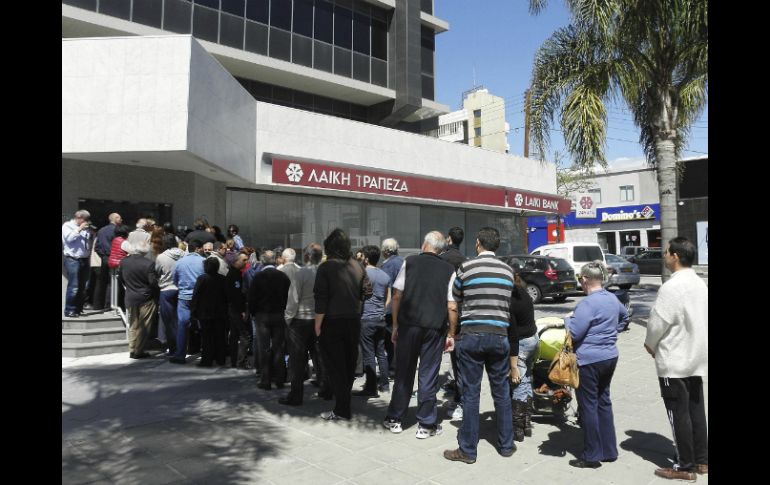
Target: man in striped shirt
(484, 286)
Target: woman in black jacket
(209, 306)
(522, 358)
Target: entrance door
(630, 238)
(607, 241)
(130, 211)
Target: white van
(577, 253)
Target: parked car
(628, 251)
(546, 277)
(576, 253)
(649, 262)
(623, 273)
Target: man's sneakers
(423, 433)
(672, 474)
(456, 414)
(457, 455)
(393, 425)
(330, 416)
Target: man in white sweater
(677, 337)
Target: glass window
(284, 96)
(398, 221)
(512, 230)
(361, 67)
(206, 23)
(303, 17)
(115, 8)
(176, 17)
(280, 14)
(357, 112)
(323, 104)
(86, 4)
(303, 100)
(235, 7)
(341, 108)
(280, 44)
(583, 254)
(343, 27)
(426, 61)
(477, 131)
(258, 10)
(426, 6)
(626, 193)
(302, 50)
(322, 56)
(477, 113)
(256, 38)
(427, 87)
(361, 33)
(379, 40)
(342, 62)
(441, 219)
(208, 3)
(324, 21)
(231, 30)
(148, 12)
(379, 72)
(596, 194)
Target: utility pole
(526, 123)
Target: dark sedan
(649, 262)
(545, 276)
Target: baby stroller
(549, 399)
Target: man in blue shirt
(186, 273)
(76, 240)
(391, 266)
(373, 326)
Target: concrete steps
(93, 334)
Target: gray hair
(268, 257)
(436, 240)
(139, 247)
(289, 255)
(389, 246)
(595, 270)
(83, 214)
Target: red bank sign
(313, 174)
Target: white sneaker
(456, 413)
(393, 425)
(423, 433)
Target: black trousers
(339, 346)
(458, 377)
(427, 344)
(372, 344)
(390, 349)
(271, 333)
(238, 342)
(212, 340)
(686, 411)
(100, 286)
(301, 340)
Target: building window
(626, 193)
(477, 131)
(477, 113)
(596, 194)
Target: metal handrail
(114, 300)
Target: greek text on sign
(646, 213)
(335, 177)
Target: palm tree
(652, 55)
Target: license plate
(569, 286)
(625, 270)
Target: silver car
(623, 273)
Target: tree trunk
(669, 229)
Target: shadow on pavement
(568, 439)
(652, 447)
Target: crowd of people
(213, 295)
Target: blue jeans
(168, 313)
(595, 408)
(78, 270)
(475, 351)
(373, 343)
(183, 325)
(527, 348)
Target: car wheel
(625, 287)
(560, 298)
(534, 293)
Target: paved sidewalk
(151, 422)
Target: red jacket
(116, 254)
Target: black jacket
(453, 256)
(202, 236)
(268, 291)
(340, 288)
(236, 298)
(522, 317)
(137, 274)
(209, 300)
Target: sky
(492, 43)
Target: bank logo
(519, 199)
(294, 172)
(586, 202)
